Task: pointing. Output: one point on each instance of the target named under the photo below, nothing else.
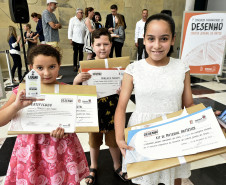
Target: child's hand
(81, 77)
(58, 133)
(110, 29)
(123, 147)
(20, 101)
(217, 113)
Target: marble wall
(131, 9)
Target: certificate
(107, 80)
(72, 107)
(185, 135)
(86, 113)
(45, 116)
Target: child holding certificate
(161, 85)
(40, 158)
(101, 43)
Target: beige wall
(131, 9)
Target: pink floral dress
(43, 160)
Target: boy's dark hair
(164, 17)
(97, 13)
(99, 32)
(43, 49)
(114, 6)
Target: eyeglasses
(81, 12)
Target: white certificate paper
(45, 116)
(186, 135)
(107, 81)
(86, 113)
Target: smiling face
(47, 67)
(102, 47)
(158, 40)
(144, 14)
(97, 18)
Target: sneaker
(59, 77)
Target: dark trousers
(118, 49)
(112, 49)
(141, 48)
(16, 64)
(78, 49)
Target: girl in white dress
(161, 85)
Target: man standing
(139, 34)
(110, 23)
(50, 24)
(76, 34)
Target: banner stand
(203, 42)
(217, 79)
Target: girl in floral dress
(41, 158)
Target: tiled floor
(211, 171)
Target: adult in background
(97, 19)
(90, 27)
(139, 34)
(39, 30)
(118, 35)
(29, 37)
(14, 51)
(50, 24)
(76, 34)
(110, 23)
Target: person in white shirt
(76, 34)
(139, 34)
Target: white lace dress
(158, 91)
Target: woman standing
(90, 27)
(118, 35)
(29, 37)
(14, 51)
(39, 31)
